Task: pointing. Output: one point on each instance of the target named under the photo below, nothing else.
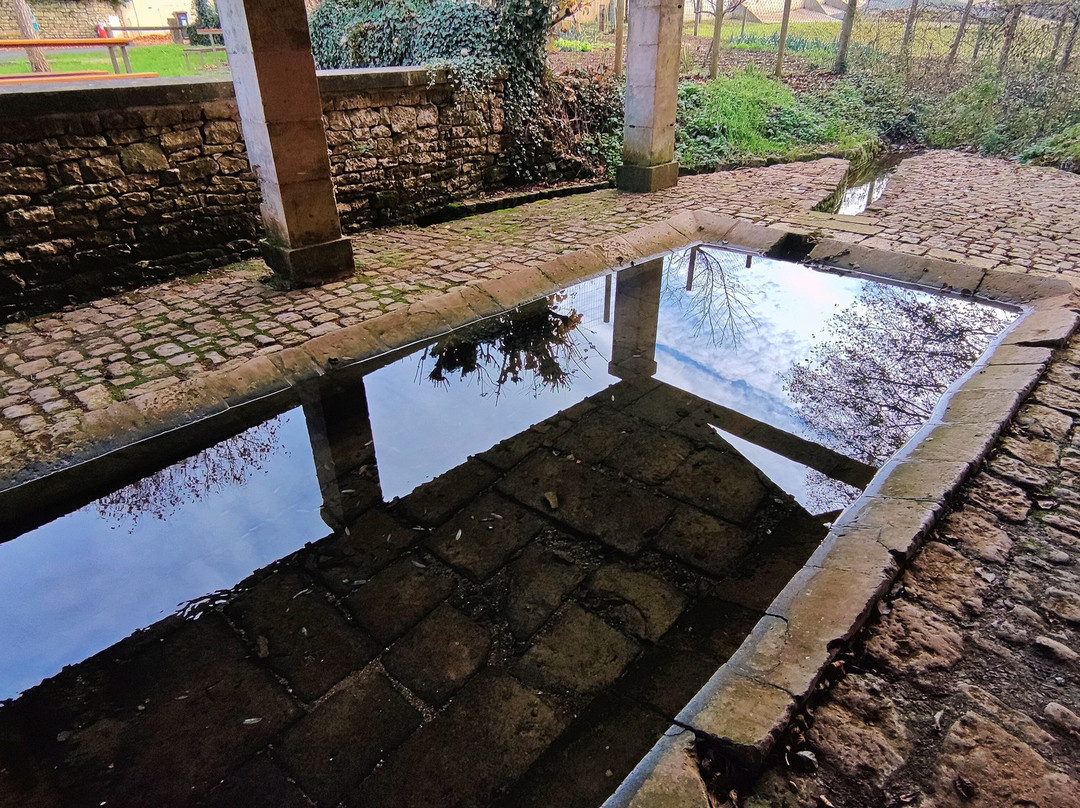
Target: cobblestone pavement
(55, 368)
(966, 690)
(988, 212)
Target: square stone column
(637, 315)
(277, 93)
(653, 57)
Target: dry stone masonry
(104, 189)
(58, 18)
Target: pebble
(1061, 716)
(1055, 649)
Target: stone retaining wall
(58, 18)
(104, 189)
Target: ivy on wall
(477, 42)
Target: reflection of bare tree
(535, 341)
(705, 285)
(888, 359)
(231, 462)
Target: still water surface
(764, 338)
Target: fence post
(909, 29)
(1010, 34)
(620, 25)
(845, 37)
(964, 17)
(783, 39)
(714, 53)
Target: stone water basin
(490, 569)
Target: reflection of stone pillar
(344, 449)
(637, 310)
(273, 71)
(653, 54)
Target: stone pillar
(273, 71)
(342, 444)
(653, 55)
(637, 311)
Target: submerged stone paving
(964, 692)
(966, 689)
(465, 645)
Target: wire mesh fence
(999, 33)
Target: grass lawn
(165, 60)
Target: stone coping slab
(122, 94)
(748, 703)
(743, 709)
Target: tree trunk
(955, 49)
(1067, 53)
(782, 45)
(845, 37)
(697, 16)
(1010, 35)
(714, 54)
(909, 29)
(24, 17)
(620, 15)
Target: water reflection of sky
(80, 584)
(87, 580)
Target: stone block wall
(58, 18)
(105, 189)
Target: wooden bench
(51, 78)
(202, 50)
(114, 44)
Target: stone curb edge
(748, 703)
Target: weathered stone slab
(540, 580)
(495, 724)
(398, 597)
(578, 653)
(668, 777)
(953, 442)
(1046, 328)
(339, 742)
(439, 655)
(819, 609)
(969, 406)
(702, 540)
(929, 480)
(620, 513)
(743, 712)
(639, 603)
(719, 482)
(899, 524)
(479, 539)
(592, 757)
(306, 639)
